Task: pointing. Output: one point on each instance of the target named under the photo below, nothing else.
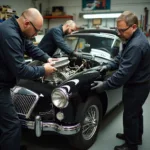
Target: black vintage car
(63, 102)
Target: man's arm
(14, 55)
(59, 39)
(127, 67)
(115, 64)
(111, 65)
(35, 52)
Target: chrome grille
(24, 101)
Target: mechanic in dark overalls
(13, 45)
(133, 65)
(54, 39)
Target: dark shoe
(122, 137)
(125, 147)
(23, 147)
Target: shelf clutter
(6, 12)
(57, 13)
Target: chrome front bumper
(40, 126)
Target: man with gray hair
(134, 75)
(54, 39)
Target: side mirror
(114, 51)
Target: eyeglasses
(122, 30)
(36, 30)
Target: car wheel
(90, 118)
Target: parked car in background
(63, 102)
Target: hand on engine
(104, 68)
(48, 69)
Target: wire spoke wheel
(90, 117)
(90, 122)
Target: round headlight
(60, 98)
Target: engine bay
(66, 67)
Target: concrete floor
(106, 140)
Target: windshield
(87, 43)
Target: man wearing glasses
(36, 30)
(54, 39)
(134, 74)
(14, 43)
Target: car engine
(63, 71)
(65, 68)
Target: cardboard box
(58, 13)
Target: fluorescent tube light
(104, 15)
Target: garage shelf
(58, 17)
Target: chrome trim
(26, 92)
(40, 126)
(32, 107)
(63, 92)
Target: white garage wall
(74, 7)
